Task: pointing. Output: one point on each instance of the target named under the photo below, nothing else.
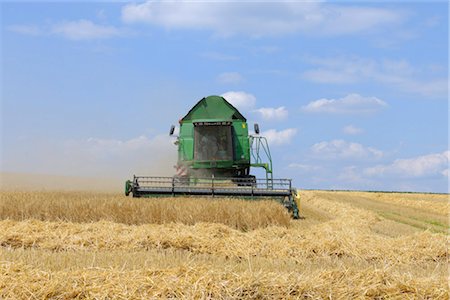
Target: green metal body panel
(215, 110)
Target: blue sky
(351, 95)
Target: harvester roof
(214, 108)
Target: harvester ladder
(258, 145)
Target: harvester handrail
(215, 178)
(213, 183)
(250, 187)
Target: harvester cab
(215, 154)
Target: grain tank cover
(213, 108)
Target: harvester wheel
(127, 187)
(295, 199)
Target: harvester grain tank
(215, 156)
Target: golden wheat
(339, 257)
(91, 207)
(436, 203)
(348, 234)
(127, 260)
(331, 239)
(21, 281)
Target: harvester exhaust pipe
(172, 130)
(256, 126)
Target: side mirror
(256, 128)
(172, 129)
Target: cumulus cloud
(281, 137)
(328, 76)
(352, 130)
(352, 175)
(261, 19)
(230, 78)
(85, 30)
(341, 69)
(240, 100)
(350, 104)
(435, 164)
(73, 30)
(306, 168)
(26, 29)
(340, 149)
(271, 113)
(246, 102)
(425, 173)
(219, 56)
(399, 74)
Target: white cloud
(427, 173)
(329, 76)
(349, 69)
(352, 130)
(270, 113)
(267, 50)
(352, 103)
(261, 19)
(73, 30)
(282, 137)
(219, 56)
(306, 168)
(435, 164)
(101, 15)
(246, 102)
(351, 174)
(85, 30)
(399, 74)
(240, 100)
(230, 78)
(337, 149)
(26, 29)
(434, 88)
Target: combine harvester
(215, 154)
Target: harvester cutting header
(215, 154)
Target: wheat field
(86, 207)
(90, 245)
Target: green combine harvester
(215, 154)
